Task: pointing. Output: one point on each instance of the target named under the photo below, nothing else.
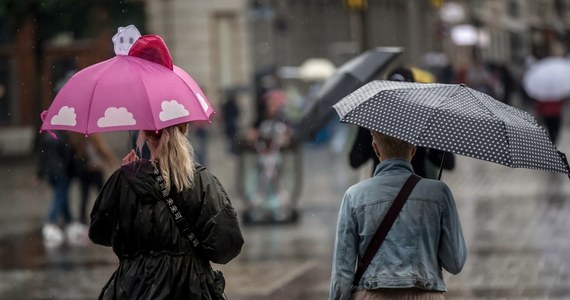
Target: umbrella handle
(565, 160)
(441, 166)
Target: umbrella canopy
(315, 69)
(139, 91)
(547, 79)
(453, 118)
(349, 77)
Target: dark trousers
(60, 203)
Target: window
(225, 46)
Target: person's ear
(376, 148)
(413, 151)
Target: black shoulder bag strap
(179, 219)
(384, 227)
(216, 288)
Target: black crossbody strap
(385, 226)
(179, 219)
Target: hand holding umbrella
(129, 158)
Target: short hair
(391, 147)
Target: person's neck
(382, 158)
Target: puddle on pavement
(28, 252)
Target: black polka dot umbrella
(453, 118)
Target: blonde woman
(131, 215)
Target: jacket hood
(141, 178)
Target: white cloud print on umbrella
(116, 117)
(172, 110)
(65, 116)
(120, 116)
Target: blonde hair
(174, 154)
(392, 147)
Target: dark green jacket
(155, 260)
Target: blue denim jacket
(425, 237)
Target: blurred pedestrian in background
(273, 116)
(361, 151)
(425, 238)
(269, 199)
(503, 82)
(265, 79)
(546, 84)
(93, 159)
(230, 116)
(135, 216)
(479, 77)
(200, 137)
(56, 168)
(550, 113)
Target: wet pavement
(515, 223)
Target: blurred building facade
(511, 31)
(209, 39)
(31, 66)
(222, 43)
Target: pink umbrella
(139, 91)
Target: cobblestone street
(515, 223)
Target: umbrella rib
(93, 93)
(205, 114)
(148, 103)
(90, 106)
(510, 158)
(451, 94)
(478, 100)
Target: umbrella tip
(50, 133)
(565, 161)
(43, 115)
